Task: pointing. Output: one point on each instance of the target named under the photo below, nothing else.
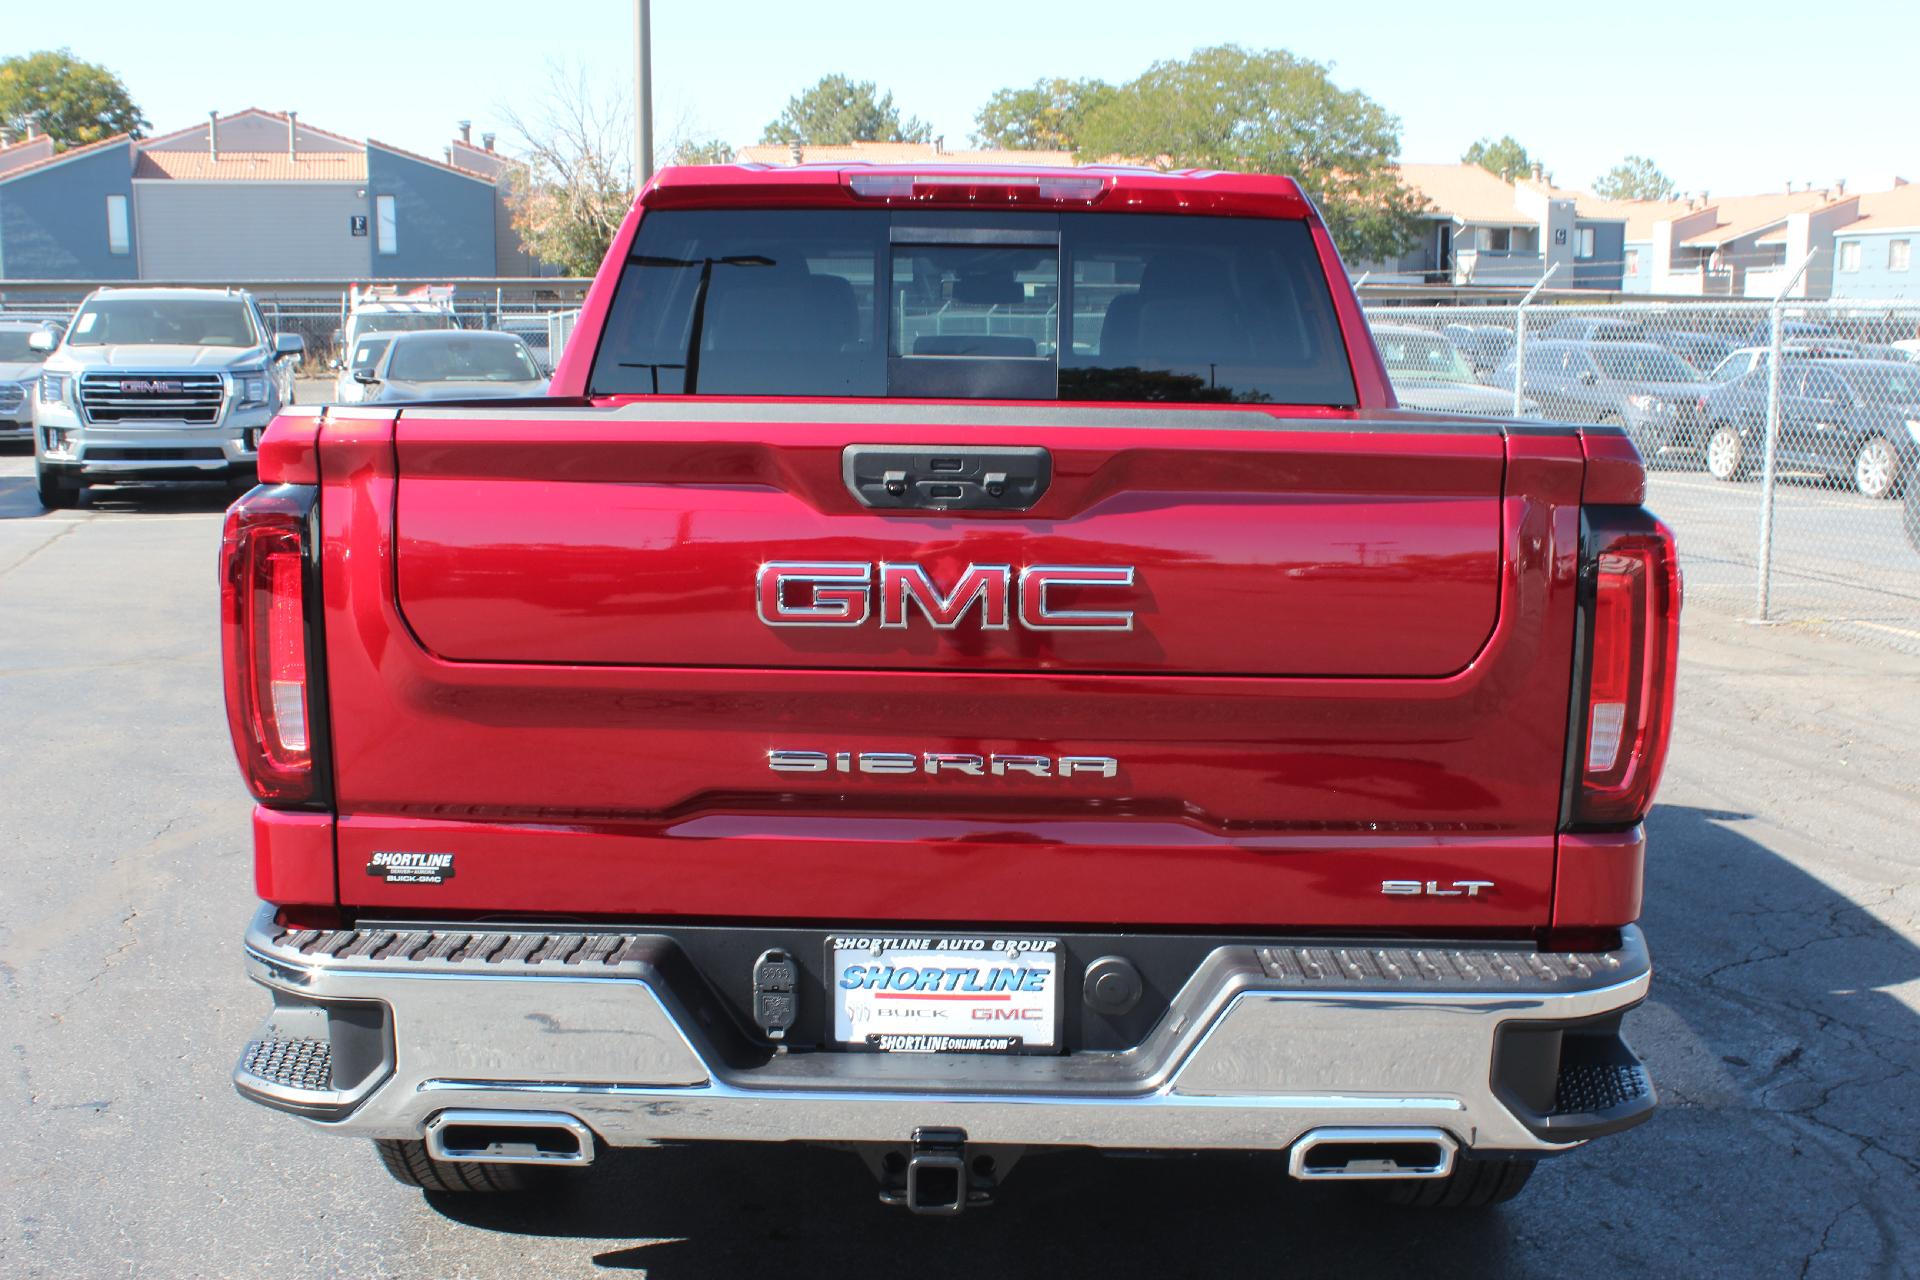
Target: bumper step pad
(1374, 968)
(305, 1063)
(1592, 1088)
(464, 947)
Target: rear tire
(1726, 453)
(1876, 469)
(55, 491)
(407, 1160)
(1473, 1184)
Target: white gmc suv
(156, 384)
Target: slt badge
(1432, 889)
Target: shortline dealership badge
(411, 868)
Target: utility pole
(642, 92)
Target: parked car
(1639, 386)
(364, 358)
(1595, 329)
(1703, 351)
(1429, 373)
(156, 384)
(1909, 348)
(780, 737)
(1484, 345)
(19, 373)
(1845, 419)
(463, 364)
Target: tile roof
(1886, 210)
(251, 166)
(779, 153)
(1466, 191)
(1736, 217)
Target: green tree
(1268, 111)
(71, 101)
(1635, 178)
(838, 110)
(1044, 117)
(1506, 158)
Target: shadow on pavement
(20, 501)
(733, 1211)
(1787, 1132)
(156, 499)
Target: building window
(1850, 256)
(119, 237)
(1583, 244)
(1495, 239)
(1633, 262)
(386, 225)
(1899, 255)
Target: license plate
(934, 994)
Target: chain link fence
(1782, 439)
(321, 320)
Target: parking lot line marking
(1908, 632)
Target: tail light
(1633, 642)
(264, 642)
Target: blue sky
(1777, 93)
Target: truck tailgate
(1346, 661)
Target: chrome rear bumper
(375, 1033)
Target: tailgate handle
(946, 477)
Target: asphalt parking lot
(1840, 561)
(1783, 907)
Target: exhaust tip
(1359, 1154)
(509, 1137)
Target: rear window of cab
(956, 305)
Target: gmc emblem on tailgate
(839, 593)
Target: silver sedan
(452, 364)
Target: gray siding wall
(1874, 278)
(53, 221)
(444, 221)
(221, 231)
(1607, 268)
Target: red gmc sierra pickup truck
(961, 662)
